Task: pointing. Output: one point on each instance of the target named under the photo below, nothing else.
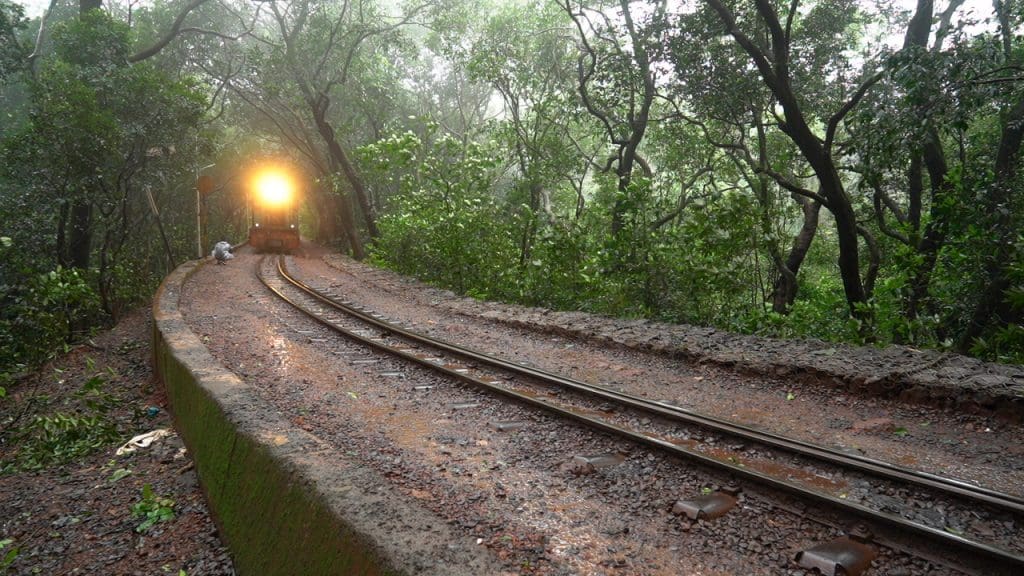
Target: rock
(933, 517)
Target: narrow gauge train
(273, 201)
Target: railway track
(873, 492)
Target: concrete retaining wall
(285, 502)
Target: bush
(41, 314)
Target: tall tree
(93, 59)
(617, 82)
(524, 56)
(113, 126)
(13, 51)
(771, 54)
(1002, 202)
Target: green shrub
(61, 437)
(152, 508)
(41, 315)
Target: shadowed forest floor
(84, 516)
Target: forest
(834, 169)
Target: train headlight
(273, 188)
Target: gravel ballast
(515, 491)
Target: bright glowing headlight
(273, 188)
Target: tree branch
(833, 122)
(171, 34)
(785, 183)
(39, 37)
(666, 218)
(584, 73)
(764, 66)
(780, 41)
(945, 24)
(880, 217)
(793, 5)
(874, 260)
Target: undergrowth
(82, 426)
(152, 509)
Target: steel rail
(991, 552)
(862, 463)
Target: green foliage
(1005, 342)
(152, 508)
(561, 272)
(447, 228)
(12, 50)
(93, 40)
(443, 224)
(40, 313)
(99, 133)
(9, 554)
(61, 437)
(710, 253)
(820, 311)
(519, 207)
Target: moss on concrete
(273, 523)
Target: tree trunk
(339, 158)
(874, 260)
(624, 171)
(80, 244)
(62, 223)
(348, 222)
(938, 223)
(359, 187)
(915, 191)
(530, 229)
(831, 187)
(348, 225)
(335, 156)
(326, 219)
(785, 289)
(920, 25)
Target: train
(273, 202)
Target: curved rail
(858, 463)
